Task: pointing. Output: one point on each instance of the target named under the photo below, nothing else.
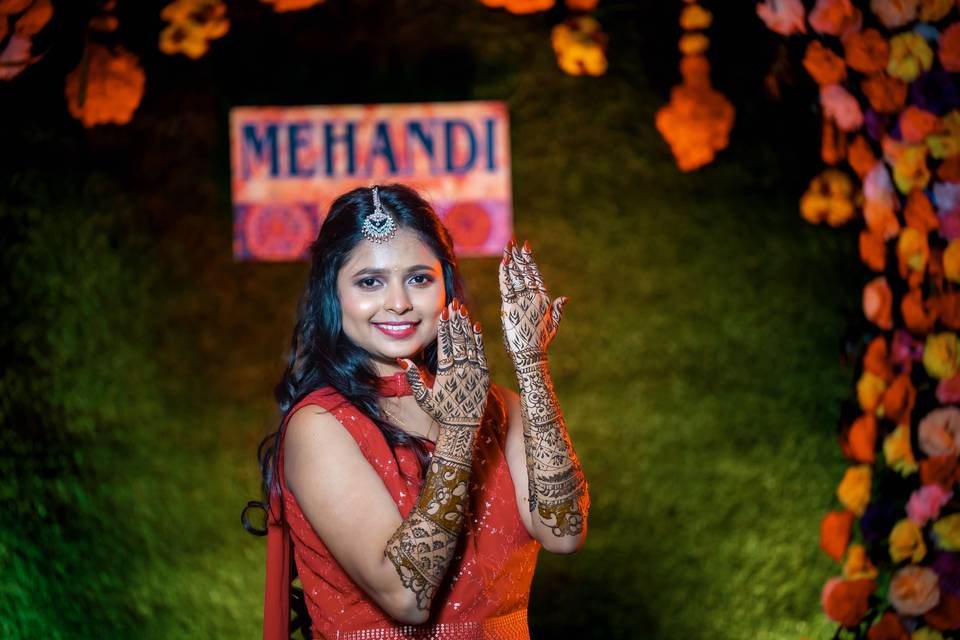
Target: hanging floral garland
(890, 109)
(192, 24)
(697, 121)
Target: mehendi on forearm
(558, 489)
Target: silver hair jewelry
(379, 226)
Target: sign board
(290, 163)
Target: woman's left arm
(557, 494)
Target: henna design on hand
(423, 546)
(557, 488)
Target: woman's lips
(397, 330)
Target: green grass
(696, 363)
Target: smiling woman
(413, 495)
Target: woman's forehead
(403, 251)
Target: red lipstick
(397, 330)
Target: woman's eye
(368, 283)
(421, 278)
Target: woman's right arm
(398, 562)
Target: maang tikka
(379, 226)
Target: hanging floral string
(192, 25)
(889, 99)
(697, 121)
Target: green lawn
(697, 362)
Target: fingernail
(463, 311)
(403, 364)
(444, 315)
(456, 304)
(526, 246)
(476, 327)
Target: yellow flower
(951, 261)
(870, 390)
(580, 46)
(947, 142)
(696, 17)
(854, 490)
(828, 198)
(910, 168)
(912, 246)
(692, 44)
(858, 565)
(947, 532)
(897, 451)
(926, 633)
(906, 541)
(940, 355)
(909, 55)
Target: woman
(415, 496)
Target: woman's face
(391, 295)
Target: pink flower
(840, 106)
(835, 17)
(947, 196)
(904, 350)
(948, 390)
(782, 16)
(894, 13)
(939, 432)
(878, 186)
(15, 57)
(925, 503)
(914, 590)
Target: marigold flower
(193, 23)
(951, 261)
(910, 169)
(580, 46)
(695, 17)
(909, 55)
(854, 490)
(35, 19)
(860, 441)
(885, 94)
(828, 198)
(692, 44)
(877, 303)
(939, 432)
(870, 388)
(888, 627)
(113, 87)
(898, 400)
(918, 212)
(912, 252)
(835, 533)
(876, 359)
(823, 65)
(906, 541)
(941, 470)
(858, 565)
(949, 308)
(897, 451)
(919, 316)
(914, 590)
(841, 106)
(925, 503)
(866, 51)
(513, 6)
(916, 124)
(782, 16)
(941, 356)
(835, 17)
(860, 156)
(696, 123)
(894, 13)
(880, 218)
(873, 250)
(949, 47)
(847, 601)
(933, 10)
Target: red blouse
(487, 588)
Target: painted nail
(444, 315)
(403, 364)
(456, 304)
(476, 327)
(463, 311)
(526, 246)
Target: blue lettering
(381, 147)
(329, 139)
(416, 131)
(448, 131)
(491, 152)
(297, 141)
(259, 145)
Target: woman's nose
(397, 299)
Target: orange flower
(878, 303)
(860, 443)
(582, 5)
(917, 315)
(949, 50)
(885, 94)
(946, 615)
(829, 198)
(695, 71)
(914, 590)
(894, 13)
(866, 51)
(35, 19)
(912, 254)
(833, 143)
(513, 6)
(854, 490)
(835, 533)
(695, 17)
(858, 565)
(916, 124)
(949, 308)
(873, 250)
(876, 359)
(823, 65)
(847, 601)
(898, 400)
(860, 157)
(918, 212)
(880, 218)
(835, 17)
(692, 44)
(949, 169)
(580, 46)
(281, 6)
(696, 124)
(941, 470)
(888, 627)
(951, 261)
(933, 10)
(111, 87)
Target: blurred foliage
(697, 362)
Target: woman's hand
(459, 393)
(529, 319)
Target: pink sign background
(290, 163)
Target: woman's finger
(421, 392)
(481, 354)
(506, 286)
(457, 334)
(556, 311)
(515, 271)
(444, 341)
(533, 270)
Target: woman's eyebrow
(374, 271)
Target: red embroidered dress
(487, 588)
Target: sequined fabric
(490, 578)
